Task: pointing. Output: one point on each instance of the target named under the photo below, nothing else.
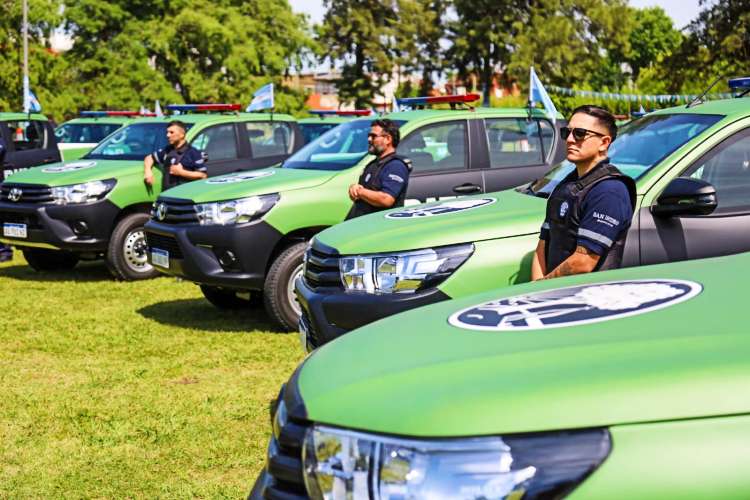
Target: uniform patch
(575, 305)
(69, 167)
(239, 177)
(395, 177)
(367, 177)
(446, 207)
(564, 208)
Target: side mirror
(685, 196)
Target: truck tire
(224, 298)
(50, 260)
(278, 291)
(126, 257)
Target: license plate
(303, 335)
(160, 257)
(14, 230)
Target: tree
(572, 43)
(358, 35)
(419, 27)
(483, 36)
(652, 39)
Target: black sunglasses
(579, 134)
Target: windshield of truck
(311, 131)
(338, 149)
(81, 133)
(133, 142)
(640, 146)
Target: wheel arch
(296, 236)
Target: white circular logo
(564, 208)
(575, 305)
(240, 177)
(446, 207)
(70, 167)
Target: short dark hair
(178, 123)
(389, 127)
(605, 118)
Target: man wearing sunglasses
(384, 180)
(589, 212)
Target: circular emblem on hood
(446, 207)
(15, 194)
(575, 305)
(69, 167)
(240, 177)
(161, 211)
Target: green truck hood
(508, 213)
(77, 171)
(249, 183)
(415, 374)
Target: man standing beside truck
(384, 180)
(181, 161)
(589, 212)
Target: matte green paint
(688, 360)
(693, 459)
(22, 116)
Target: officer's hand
(176, 169)
(148, 179)
(354, 192)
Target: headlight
(340, 464)
(235, 211)
(82, 193)
(402, 272)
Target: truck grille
(284, 461)
(162, 242)
(175, 211)
(29, 193)
(322, 267)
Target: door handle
(467, 188)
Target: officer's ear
(606, 141)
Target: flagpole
(25, 31)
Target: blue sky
(681, 11)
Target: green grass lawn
(137, 390)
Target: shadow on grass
(199, 314)
(84, 271)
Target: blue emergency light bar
(441, 99)
(337, 112)
(101, 114)
(739, 83)
(193, 108)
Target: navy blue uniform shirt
(606, 212)
(393, 178)
(187, 156)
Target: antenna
(699, 99)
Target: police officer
(181, 161)
(589, 212)
(384, 180)
(6, 252)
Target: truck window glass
(436, 147)
(513, 142)
(218, 142)
(269, 139)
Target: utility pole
(25, 34)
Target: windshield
(311, 131)
(133, 142)
(79, 133)
(640, 145)
(338, 149)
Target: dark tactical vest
(173, 157)
(564, 221)
(370, 179)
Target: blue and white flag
(30, 103)
(157, 109)
(538, 94)
(262, 98)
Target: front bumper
(52, 226)
(329, 312)
(201, 253)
